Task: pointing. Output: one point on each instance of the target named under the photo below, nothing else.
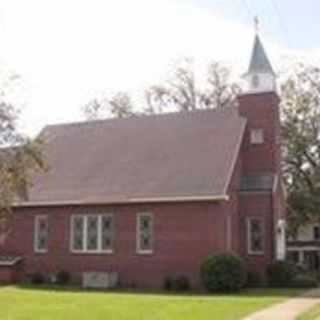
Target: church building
(146, 198)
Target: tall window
(41, 234)
(144, 233)
(255, 236)
(92, 233)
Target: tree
(180, 92)
(301, 143)
(20, 157)
(117, 106)
(221, 91)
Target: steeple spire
(260, 75)
(259, 62)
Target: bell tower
(262, 197)
(259, 104)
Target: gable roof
(259, 62)
(171, 156)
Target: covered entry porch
(305, 254)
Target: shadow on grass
(246, 293)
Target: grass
(313, 314)
(30, 303)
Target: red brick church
(151, 197)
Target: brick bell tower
(261, 157)
(259, 104)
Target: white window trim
(85, 219)
(138, 244)
(249, 249)
(36, 233)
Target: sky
(67, 52)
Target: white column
(281, 240)
(300, 257)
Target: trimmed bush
(63, 277)
(304, 281)
(181, 283)
(223, 273)
(254, 280)
(37, 278)
(280, 274)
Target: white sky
(69, 51)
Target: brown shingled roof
(163, 156)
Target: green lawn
(313, 314)
(30, 303)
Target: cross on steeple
(256, 24)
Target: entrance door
(311, 259)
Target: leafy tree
(117, 106)
(179, 92)
(92, 110)
(301, 143)
(220, 91)
(20, 157)
(182, 93)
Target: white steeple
(260, 76)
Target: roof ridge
(230, 110)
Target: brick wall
(9, 274)
(184, 234)
(6, 274)
(257, 205)
(262, 112)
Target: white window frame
(37, 218)
(257, 136)
(138, 238)
(85, 250)
(249, 242)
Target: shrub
(280, 274)
(304, 281)
(223, 273)
(168, 285)
(63, 277)
(254, 280)
(181, 283)
(317, 276)
(37, 278)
